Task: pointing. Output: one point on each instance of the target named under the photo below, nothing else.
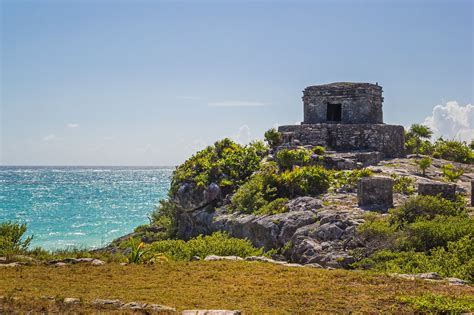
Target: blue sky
(149, 82)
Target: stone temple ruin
(345, 117)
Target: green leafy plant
(219, 243)
(425, 208)
(347, 180)
(452, 150)
(137, 251)
(451, 173)
(319, 150)
(273, 138)
(416, 136)
(438, 304)
(11, 239)
(403, 184)
(288, 158)
(424, 164)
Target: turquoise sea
(81, 207)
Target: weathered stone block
(375, 192)
(447, 191)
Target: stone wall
(361, 103)
(446, 190)
(387, 139)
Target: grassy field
(248, 286)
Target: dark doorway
(334, 112)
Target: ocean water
(83, 207)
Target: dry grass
(249, 286)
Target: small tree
(423, 164)
(451, 173)
(420, 132)
(273, 138)
(11, 242)
(471, 145)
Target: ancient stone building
(345, 117)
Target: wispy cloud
(452, 121)
(73, 125)
(49, 138)
(237, 104)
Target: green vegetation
(452, 150)
(227, 164)
(423, 164)
(216, 244)
(451, 173)
(273, 138)
(440, 304)
(403, 184)
(425, 234)
(11, 239)
(347, 180)
(136, 251)
(268, 189)
(288, 158)
(417, 140)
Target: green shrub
(438, 304)
(165, 216)
(425, 235)
(273, 138)
(347, 180)
(457, 260)
(417, 137)
(258, 191)
(287, 158)
(425, 208)
(11, 239)
(377, 232)
(274, 207)
(226, 163)
(261, 192)
(319, 150)
(451, 173)
(303, 181)
(403, 184)
(452, 150)
(423, 164)
(216, 244)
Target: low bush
(319, 150)
(266, 191)
(216, 244)
(438, 304)
(303, 181)
(452, 150)
(273, 138)
(12, 241)
(165, 218)
(457, 260)
(226, 163)
(288, 158)
(425, 208)
(347, 180)
(423, 164)
(451, 173)
(425, 235)
(403, 184)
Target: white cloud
(237, 104)
(244, 135)
(73, 125)
(452, 121)
(49, 138)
